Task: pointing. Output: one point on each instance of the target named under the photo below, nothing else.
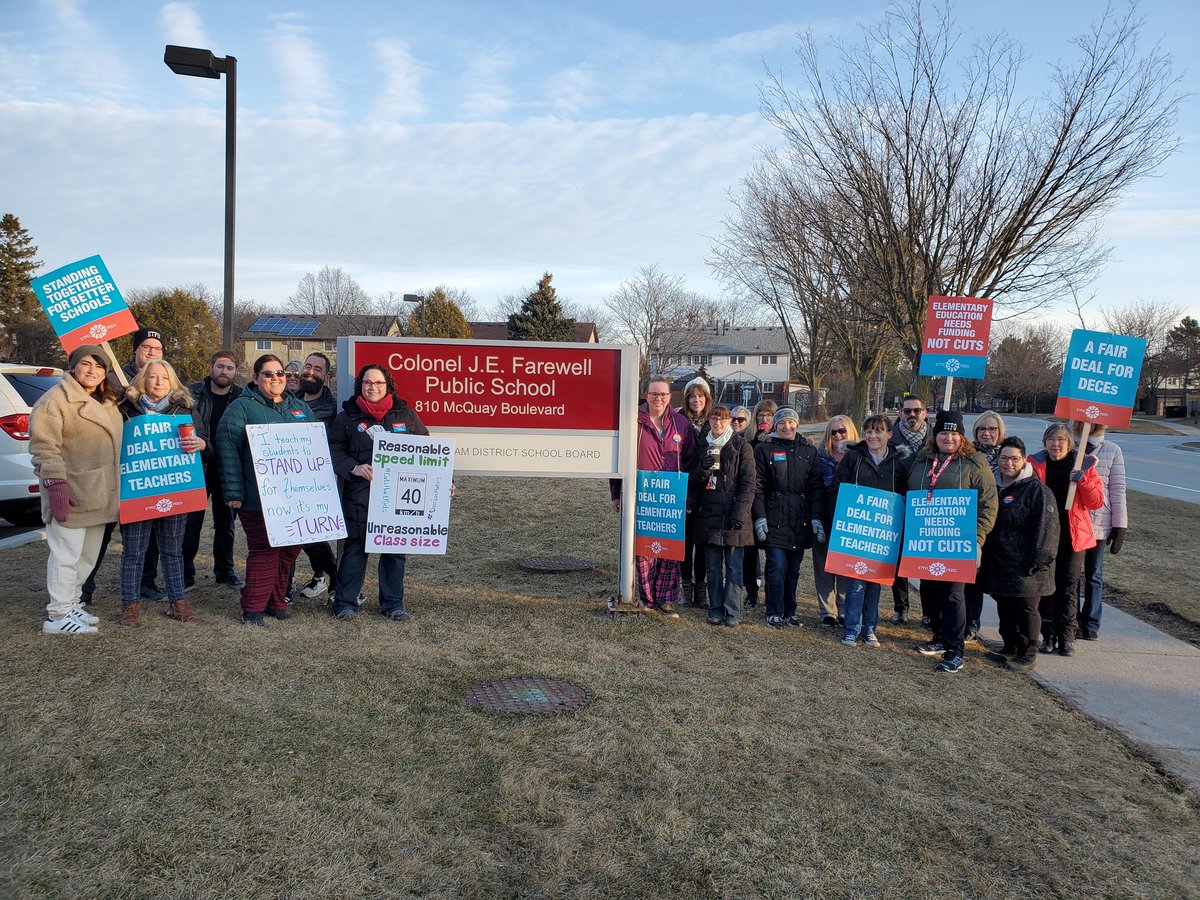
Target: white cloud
(402, 74)
(84, 54)
(303, 72)
(180, 24)
(487, 94)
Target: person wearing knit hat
(949, 420)
(75, 442)
(147, 345)
(789, 505)
(697, 405)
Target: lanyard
(935, 472)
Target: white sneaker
(82, 615)
(316, 587)
(67, 625)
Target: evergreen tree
(541, 317)
(442, 317)
(25, 332)
(191, 333)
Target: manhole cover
(527, 695)
(556, 565)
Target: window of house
(331, 346)
(769, 359)
(262, 345)
(702, 359)
(737, 359)
(294, 346)
(768, 387)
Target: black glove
(1116, 540)
(737, 524)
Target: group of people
(757, 486)
(76, 437)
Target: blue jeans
(1092, 588)
(783, 571)
(352, 570)
(725, 588)
(828, 585)
(862, 607)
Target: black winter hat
(142, 334)
(948, 420)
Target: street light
(417, 298)
(202, 64)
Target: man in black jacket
(324, 407)
(910, 431)
(212, 397)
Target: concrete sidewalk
(1137, 680)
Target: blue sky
(471, 144)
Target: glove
(61, 499)
(737, 524)
(760, 529)
(1116, 540)
(1077, 475)
(818, 530)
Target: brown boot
(180, 611)
(131, 614)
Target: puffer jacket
(350, 445)
(1089, 495)
(730, 498)
(1018, 560)
(238, 480)
(76, 438)
(963, 473)
(789, 491)
(1110, 466)
(859, 468)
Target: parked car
(20, 388)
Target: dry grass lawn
(316, 758)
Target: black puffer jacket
(730, 499)
(1018, 559)
(790, 491)
(350, 445)
(858, 468)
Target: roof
(315, 328)
(585, 332)
(762, 339)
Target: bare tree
(331, 292)
(656, 312)
(1025, 364)
(958, 187)
(1151, 320)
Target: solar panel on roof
(260, 324)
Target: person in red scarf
(373, 408)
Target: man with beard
(910, 432)
(212, 397)
(324, 407)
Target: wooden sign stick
(1080, 453)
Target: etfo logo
(861, 568)
(953, 365)
(656, 547)
(937, 569)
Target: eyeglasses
(838, 431)
(740, 419)
(374, 384)
(278, 373)
(668, 394)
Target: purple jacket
(672, 451)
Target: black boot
(700, 595)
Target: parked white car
(20, 387)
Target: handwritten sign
(939, 536)
(1100, 378)
(157, 478)
(660, 514)
(296, 483)
(409, 509)
(865, 541)
(957, 331)
(83, 304)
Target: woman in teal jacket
(268, 569)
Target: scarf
(914, 438)
(153, 406)
(716, 443)
(376, 411)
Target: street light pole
(418, 298)
(202, 64)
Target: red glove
(61, 499)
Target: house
(1176, 396)
(744, 365)
(295, 337)
(585, 332)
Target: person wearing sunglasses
(912, 431)
(840, 433)
(265, 401)
(740, 419)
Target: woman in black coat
(722, 493)
(789, 503)
(373, 408)
(1018, 558)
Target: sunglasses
(268, 373)
(912, 412)
(838, 431)
(740, 419)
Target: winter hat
(786, 413)
(143, 334)
(948, 420)
(86, 350)
(700, 383)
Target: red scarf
(375, 410)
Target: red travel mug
(186, 431)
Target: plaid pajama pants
(268, 569)
(657, 580)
